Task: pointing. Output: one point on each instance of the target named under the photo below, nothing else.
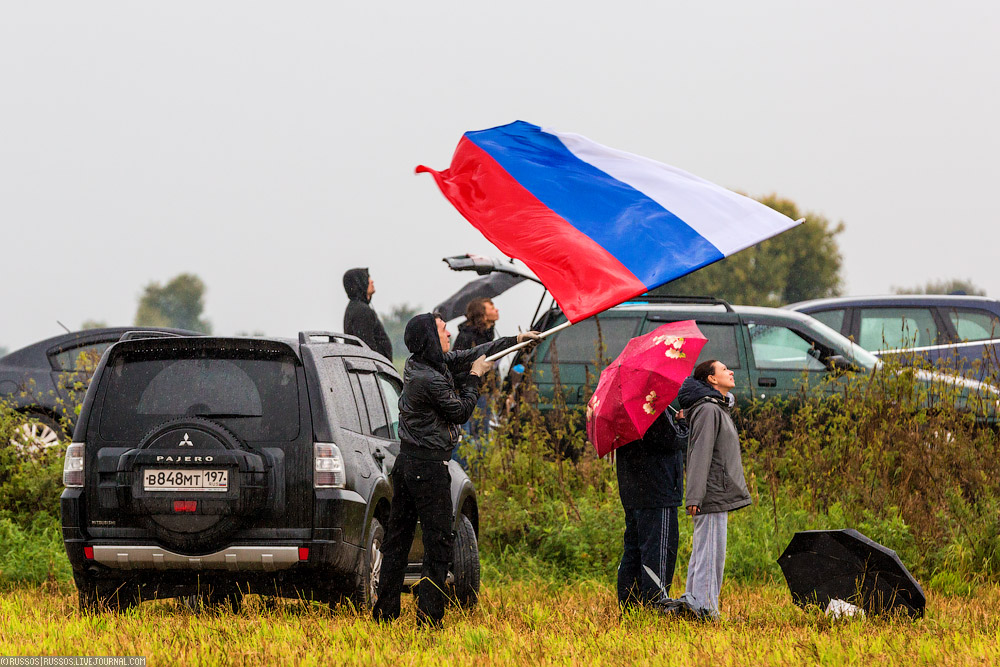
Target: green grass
(518, 622)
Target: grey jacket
(715, 481)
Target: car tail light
(303, 553)
(185, 505)
(73, 466)
(329, 466)
(88, 553)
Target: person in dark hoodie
(715, 484)
(360, 319)
(650, 484)
(440, 389)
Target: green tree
(395, 324)
(3, 351)
(93, 324)
(178, 304)
(953, 286)
(802, 263)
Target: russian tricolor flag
(598, 226)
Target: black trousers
(421, 490)
(651, 537)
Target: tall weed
(31, 545)
(901, 460)
(886, 447)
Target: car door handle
(378, 454)
(767, 382)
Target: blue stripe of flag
(650, 241)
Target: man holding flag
(440, 390)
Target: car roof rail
(668, 298)
(139, 335)
(306, 337)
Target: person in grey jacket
(715, 483)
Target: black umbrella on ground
(821, 565)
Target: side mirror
(838, 362)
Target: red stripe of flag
(567, 261)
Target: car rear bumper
(234, 559)
(330, 568)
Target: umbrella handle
(519, 346)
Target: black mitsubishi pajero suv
(216, 467)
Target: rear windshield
(252, 393)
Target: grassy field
(517, 623)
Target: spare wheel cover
(194, 443)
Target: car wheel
(465, 564)
(371, 571)
(37, 433)
(221, 598)
(96, 598)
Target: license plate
(160, 479)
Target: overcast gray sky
(268, 147)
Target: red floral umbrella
(636, 387)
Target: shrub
(31, 545)
(30, 481)
(888, 454)
(32, 554)
(888, 450)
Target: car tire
(219, 598)
(38, 432)
(371, 567)
(465, 565)
(96, 598)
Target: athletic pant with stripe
(650, 540)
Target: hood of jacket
(477, 333)
(692, 391)
(422, 340)
(356, 285)
(469, 327)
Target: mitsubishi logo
(186, 442)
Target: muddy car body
(224, 466)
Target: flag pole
(526, 343)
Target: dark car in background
(47, 380)
(216, 467)
(961, 331)
(772, 351)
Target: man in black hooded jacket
(360, 319)
(440, 389)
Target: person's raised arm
(460, 361)
(455, 406)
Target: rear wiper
(226, 415)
